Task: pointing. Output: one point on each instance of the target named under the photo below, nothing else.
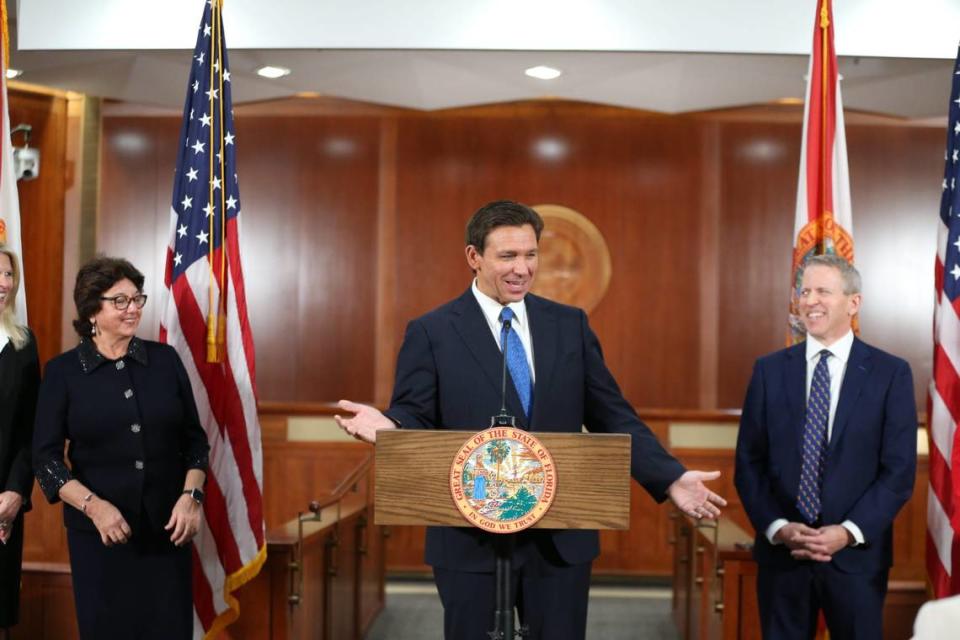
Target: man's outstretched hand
(693, 497)
(365, 422)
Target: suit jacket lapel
(858, 367)
(545, 336)
(796, 382)
(472, 327)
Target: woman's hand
(108, 520)
(10, 503)
(184, 520)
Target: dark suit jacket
(448, 377)
(133, 430)
(19, 380)
(871, 457)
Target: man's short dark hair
(500, 213)
(93, 280)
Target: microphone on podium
(503, 419)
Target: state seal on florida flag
(503, 480)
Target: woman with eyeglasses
(137, 454)
(19, 379)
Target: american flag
(943, 401)
(824, 219)
(9, 197)
(205, 320)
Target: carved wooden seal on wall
(574, 259)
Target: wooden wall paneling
(342, 606)
(137, 169)
(635, 551)
(910, 531)
(265, 611)
(309, 194)
(309, 190)
(404, 551)
(42, 207)
(45, 537)
(310, 617)
(635, 178)
(371, 557)
(387, 294)
(697, 212)
(708, 251)
(42, 212)
(47, 610)
(758, 174)
(682, 575)
(895, 175)
(296, 473)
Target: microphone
(503, 419)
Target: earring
(93, 328)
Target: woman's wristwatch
(196, 494)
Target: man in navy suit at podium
(449, 377)
(826, 457)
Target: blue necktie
(516, 360)
(815, 441)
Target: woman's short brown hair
(93, 280)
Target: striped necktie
(516, 360)
(815, 441)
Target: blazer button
(128, 394)
(135, 428)
(138, 464)
(120, 365)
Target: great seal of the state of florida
(503, 480)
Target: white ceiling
(666, 81)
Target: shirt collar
(491, 308)
(839, 349)
(91, 358)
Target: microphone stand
(504, 543)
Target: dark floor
(616, 612)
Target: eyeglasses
(122, 301)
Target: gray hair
(851, 277)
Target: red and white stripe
(943, 412)
(230, 548)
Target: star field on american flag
(949, 205)
(194, 179)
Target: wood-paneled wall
(42, 212)
(353, 224)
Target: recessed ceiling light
(14, 73)
(543, 73)
(273, 72)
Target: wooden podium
(413, 469)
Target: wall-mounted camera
(26, 159)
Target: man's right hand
(797, 537)
(793, 535)
(365, 422)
